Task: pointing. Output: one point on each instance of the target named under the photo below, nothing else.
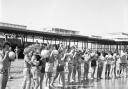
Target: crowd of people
(43, 61)
(52, 62)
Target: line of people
(52, 61)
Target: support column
(55, 41)
(87, 44)
(91, 46)
(66, 43)
(26, 38)
(51, 41)
(69, 43)
(59, 41)
(74, 42)
(6, 37)
(77, 43)
(22, 40)
(43, 39)
(33, 38)
(82, 45)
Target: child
(35, 70)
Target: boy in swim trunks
(86, 57)
(4, 65)
(77, 65)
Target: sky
(90, 17)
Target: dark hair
(6, 43)
(98, 53)
(38, 57)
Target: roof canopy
(111, 39)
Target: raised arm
(27, 59)
(4, 57)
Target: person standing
(94, 58)
(4, 65)
(86, 57)
(70, 64)
(35, 69)
(16, 52)
(100, 65)
(118, 65)
(114, 64)
(9, 74)
(109, 59)
(27, 70)
(60, 67)
(77, 65)
(123, 63)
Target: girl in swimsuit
(60, 67)
(35, 70)
(27, 70)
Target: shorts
(27, 72)
(124, 65)
(35, 72)
(93, 63)
(77, 67)
(49, 67)
(70, 65)
(86, 67)
(42, 70)
(108, 67)
(60, 68)
(3, 78)
(4, 71)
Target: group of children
(52, 61)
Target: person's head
(16, 47)
(38, 57)
(61, 44)
(55, 55)
(10, 48)
(109, 52)
(30, 53)
(61, 51)
(6, 46)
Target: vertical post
(104, 47)
(110, 48)
(51, 41)
(43, 39)
(69, 42)
(66, 43)
(55, 41)
(117, 47)
(26, 38)
(33, 38)
(77, 43)
(87, 44)
(6, 37)
(96, 46)
(22, 40)
(59, 41)
(82, 44)
(74, 42)
(91, 45)
(47, 40)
